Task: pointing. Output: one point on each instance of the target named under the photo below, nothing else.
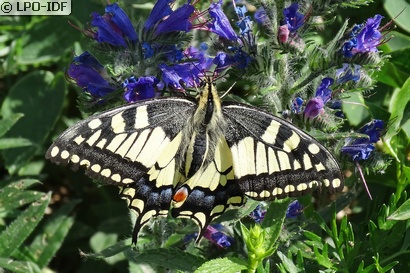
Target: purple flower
(173, 53)
(240, 59)
(244, 23)
(348, 47)
(114, 27)
(361, 148)
(314, 107)
(358, 151)
(365, 40)
(214, 235)
(139, 89)
(260, 16)
(147, 50)
(178, 20)
(293, 19)
(346, 73)
(89, 74)
(199, 56)
(180, 76)
(220, 24)
(161, 9)
(296, 107)
(258, 214)
(323, 91)
(294, 209)
(369, 37)
(373, 130)
(164, 20)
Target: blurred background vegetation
(44, 202)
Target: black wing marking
(210, 191)
(273, 159)
(132, 147)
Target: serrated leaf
(17, 232)
(223, 265)
(170, 258)
(402, 213)
(110, 251)
(7, 123)
(14, 195)
(52, 234)
(273, 222)
(18, 266)
(39, 95)
(20, 185)
(9, 143)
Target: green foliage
(27, 243)
(48, 212)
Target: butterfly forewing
(274, 159)
(133, 147)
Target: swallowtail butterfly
(195, 157)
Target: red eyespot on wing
(180, 195)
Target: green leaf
(222, 265)
(401, 58)
(355, 109)
(101, 241)
(17, 232)
(19, 185)
(323, 258)
(170, 258)
(402, 213)
(38, 44)
(400, 41)
(394, 8)
(19, 266)
(391, 75)
(8, 143)
(399, 106)
(273, 221)
(7, 123)
(39, 95)
(110, 251)
(13, 195)
(288, 263)
(52, 234)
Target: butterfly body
(195, 157)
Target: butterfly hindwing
(210, 191)
(274, 159)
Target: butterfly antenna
(363, 180)
(229, 89)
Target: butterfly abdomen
(203, 132)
